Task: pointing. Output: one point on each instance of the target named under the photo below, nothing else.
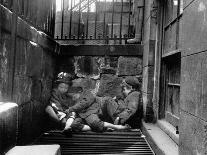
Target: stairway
(125, 142)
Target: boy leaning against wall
(60, 101)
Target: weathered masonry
(100, 42)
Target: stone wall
(104, 74)
(193, 109)
(27, 66)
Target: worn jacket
(129, 106)
(86, 105)
(60, 102)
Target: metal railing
(95, 21)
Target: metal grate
(130, 142)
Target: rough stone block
(5, 49)
(110, 85)
(23, 89)
(108, 71)
(129, 66)
(34, 60)
(66, 64)
(85, 83)
(87, 66)
(48, 65)
(192, 135)
(21, 56)
(31, 113)
(194, 30)
(194, 85)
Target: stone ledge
(169, 130)
(53, 149)
(160, 142)
(5, 106)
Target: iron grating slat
(125, 142)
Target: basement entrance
(93, 38)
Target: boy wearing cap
(122, 110)
(60, 101)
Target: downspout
(158, 50)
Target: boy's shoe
(67, 131)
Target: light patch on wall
(175, 2)
(201, 7)
(40, 32)
(33, 43)
(6, 106)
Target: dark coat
(59, 101)
(131, 103)
(86, 105)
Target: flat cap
(64, 78)
(132, 81)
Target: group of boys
(85, 111)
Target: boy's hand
(61, 115)
(73, 113)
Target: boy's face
(63, 87)
(126, 90)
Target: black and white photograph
(103, 77)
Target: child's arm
(54, 101)
(84, 103)
(70, 121)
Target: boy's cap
(132, 81)
(64, 78)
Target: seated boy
(122, 111)
(89, 112)
(60, 101)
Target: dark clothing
(85, 106)
(89, 110)
(60, 102)
(123, 109)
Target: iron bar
(112, 19)
(53, 17)
(130, 3)
(87, 19)
(120, 34)
(95, 19)
(62, 21)
(104, 31)
(79, 18)
(71, 18)
(142, 25)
